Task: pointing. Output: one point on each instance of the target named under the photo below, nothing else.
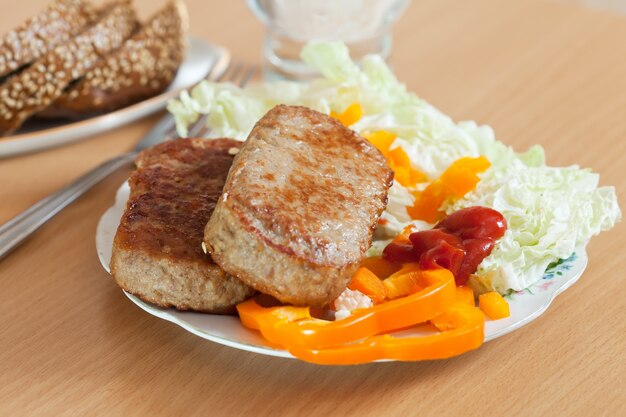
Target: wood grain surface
(538, 72)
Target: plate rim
(84, 129)
(155, 311)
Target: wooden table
(538, 72)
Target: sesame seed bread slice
(36, 87)
(143, 67)
(56, 25)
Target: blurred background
(614, 5)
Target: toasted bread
(57, 25)
(143, 67)
(37, 86)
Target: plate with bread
(75, 70)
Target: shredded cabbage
(550, 211)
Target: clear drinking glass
(363, 25)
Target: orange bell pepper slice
(462, 330)
(462, 176)
(465, 294)
(294, 326)
(457, 180)
(397, 159)
(398, 156)
(366, 282)
(427, 202)
(403, 282)
(494, 305)
(350, 115)
(381, 267)
(382, 140)
(404, 173)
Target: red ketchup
(458, 243)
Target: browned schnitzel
(157, 251)
(299, 207)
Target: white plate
(38, 135)
(525, 305)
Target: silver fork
(16, 230)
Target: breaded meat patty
(157, 250)
(299, 206)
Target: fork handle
(16, 230)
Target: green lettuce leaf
(550, 213)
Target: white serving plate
(38, 135)
(525, 305)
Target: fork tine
(196, 127)
(231, 72)
(247, 76)
(211, 74)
